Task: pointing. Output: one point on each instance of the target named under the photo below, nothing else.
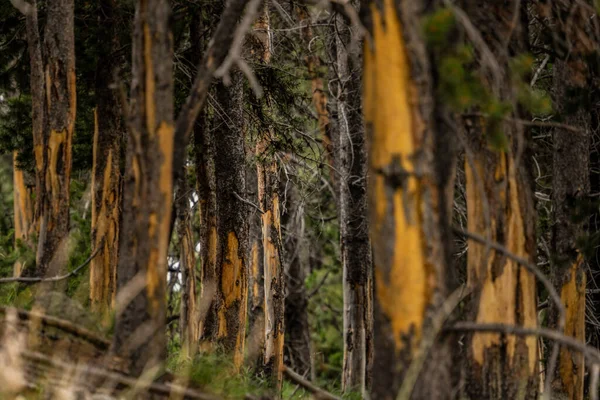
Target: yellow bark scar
(571, 364)
(404, 292)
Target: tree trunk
(268, 195)
(37, 103)
(188, 319)
(319, 95)
(409, 201)
(355, 245)
(147, 192)
(59, 107)
(232, 224)
(106, 170)
(23, 210)
(297, 331)
(500, 207)
(571, 185)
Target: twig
(540, 68)
(54, 278)
(61, 324)
(567, 341)
(319, 285)
(428, 340)
(317, 391)
(541, 124)
(245, 201)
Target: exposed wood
(148, 191)
(22, 209)
(106, 170)
(59, 123)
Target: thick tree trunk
(354, 227)
(408, 201)
(571, 184)
(147, 192)
(297, 331)
(268, 194)
(59, 107)
(23, 210)
(232, 223)
(500, 207)
(188, 320)
(106, 170)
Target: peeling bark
(106, 171)
(59, 109)
(147, 192)
(500, 207)
(408, 200)
(268, 195)
(23, 210)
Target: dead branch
(57, 278)
(315, 390)
(61, 324)
(217, 52)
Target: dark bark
(106, 172)
(59, 123)
(355, 245)
(147, 194)
(297, 331)
(232, 224)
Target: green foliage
(16, 130)
(438, 25)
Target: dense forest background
(248, 199)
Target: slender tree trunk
(319, 94)
(500, 207)
(297, 331)
(60, 107)
(23, 209)
(147, 192)
(37, 103)
(232, 224)
(106, 170)
(188, 319)
(354, 227)
(571, 183)
(408, 201)
(268, 194)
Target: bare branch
(57, 278)
(317, 391)
(245, 201)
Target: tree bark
(106, 170)
(268, 195)
(147, 193)
(500, 207)
(188, 319)
(37, 103)
(409, 200)
(571, 184)
(297, 331)
(59, 109)
(232, 224)
(355, 245)
(23, 210)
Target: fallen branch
(315, 390)
(57, 278)
(61, 324)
